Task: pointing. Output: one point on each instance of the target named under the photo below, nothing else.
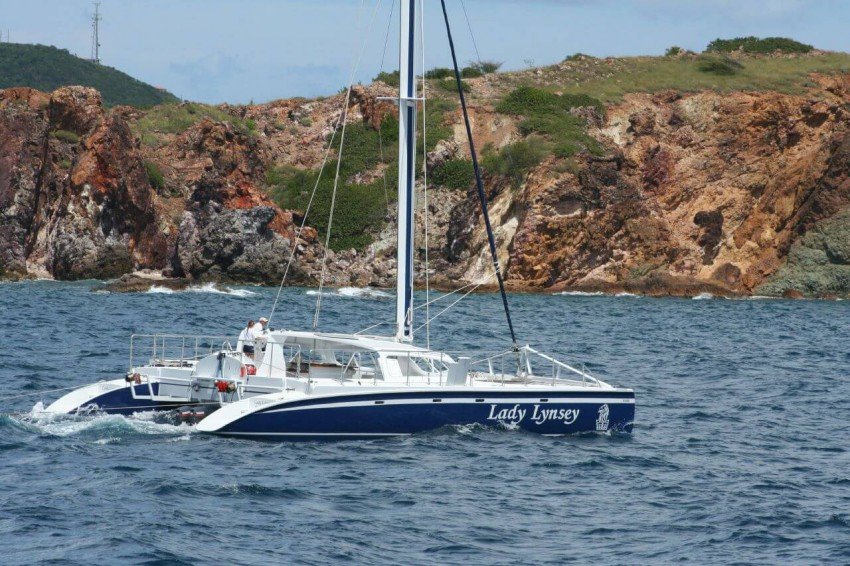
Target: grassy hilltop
(48, 68)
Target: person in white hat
(260, 328)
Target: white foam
(205, 288)
(629, 295)
(157, 289)
(112, 426)
(580, 293)
(353, 292)
(212, 288)
(703, 297)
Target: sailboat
(318, 385)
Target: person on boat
(261, 327)
(246, 339)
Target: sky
(239, 51)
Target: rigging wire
(477, 283)
(478, 182)
(472, 35)
(380, 128)
(339, 162)
(425, 179)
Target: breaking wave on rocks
(621, 294)
(205, 288)
(353, 292)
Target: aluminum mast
(407, 102)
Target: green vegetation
(48, 68)
(360, 207)
(454, 174)
(65, 164)
(391, 79)
(673, 51)
(549, 129)
(155, 176)
(608, 80)
(755, 45)
(485, 67)
(361, 201)
(718, 65)
(177, 118)
(66, 136)
(818, 263)
(515, 160)
(439, 73)
(450, 85)
(435, 125)
(471, 73)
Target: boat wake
(205, 288)
(102, 429)
(354, 292)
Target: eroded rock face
(705, 192)
(77, 202)
(700, 192)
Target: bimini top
(322, 341)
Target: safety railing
(524, 364)
(411, 367)
(174, 350)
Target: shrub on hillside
(454, 174)
(439, 73)
(66, 136)
(515, 160)
(550, 129)
(718, 65)
(390, 79)
(486, 67)
(757, 45)
(155, 176)
(673, 51)
(450, 85)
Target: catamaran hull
(382, 415)
(110, 397)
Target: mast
(406, 169)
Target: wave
(621, 294)
(580, 293)
(212, 288)
(205, 288)
(106, 429)
(354, 292)
(703, 297)
(156, 289)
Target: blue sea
(739, 454)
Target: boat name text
(516, 414)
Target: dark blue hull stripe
(430, 395)
(556, 417)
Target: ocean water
(739, 453)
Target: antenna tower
(95, 35)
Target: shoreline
(153, 282)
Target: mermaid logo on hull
(516, 414)
(602, 418)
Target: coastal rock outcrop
(726, 193)
(77, 198)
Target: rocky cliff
(670, 192)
